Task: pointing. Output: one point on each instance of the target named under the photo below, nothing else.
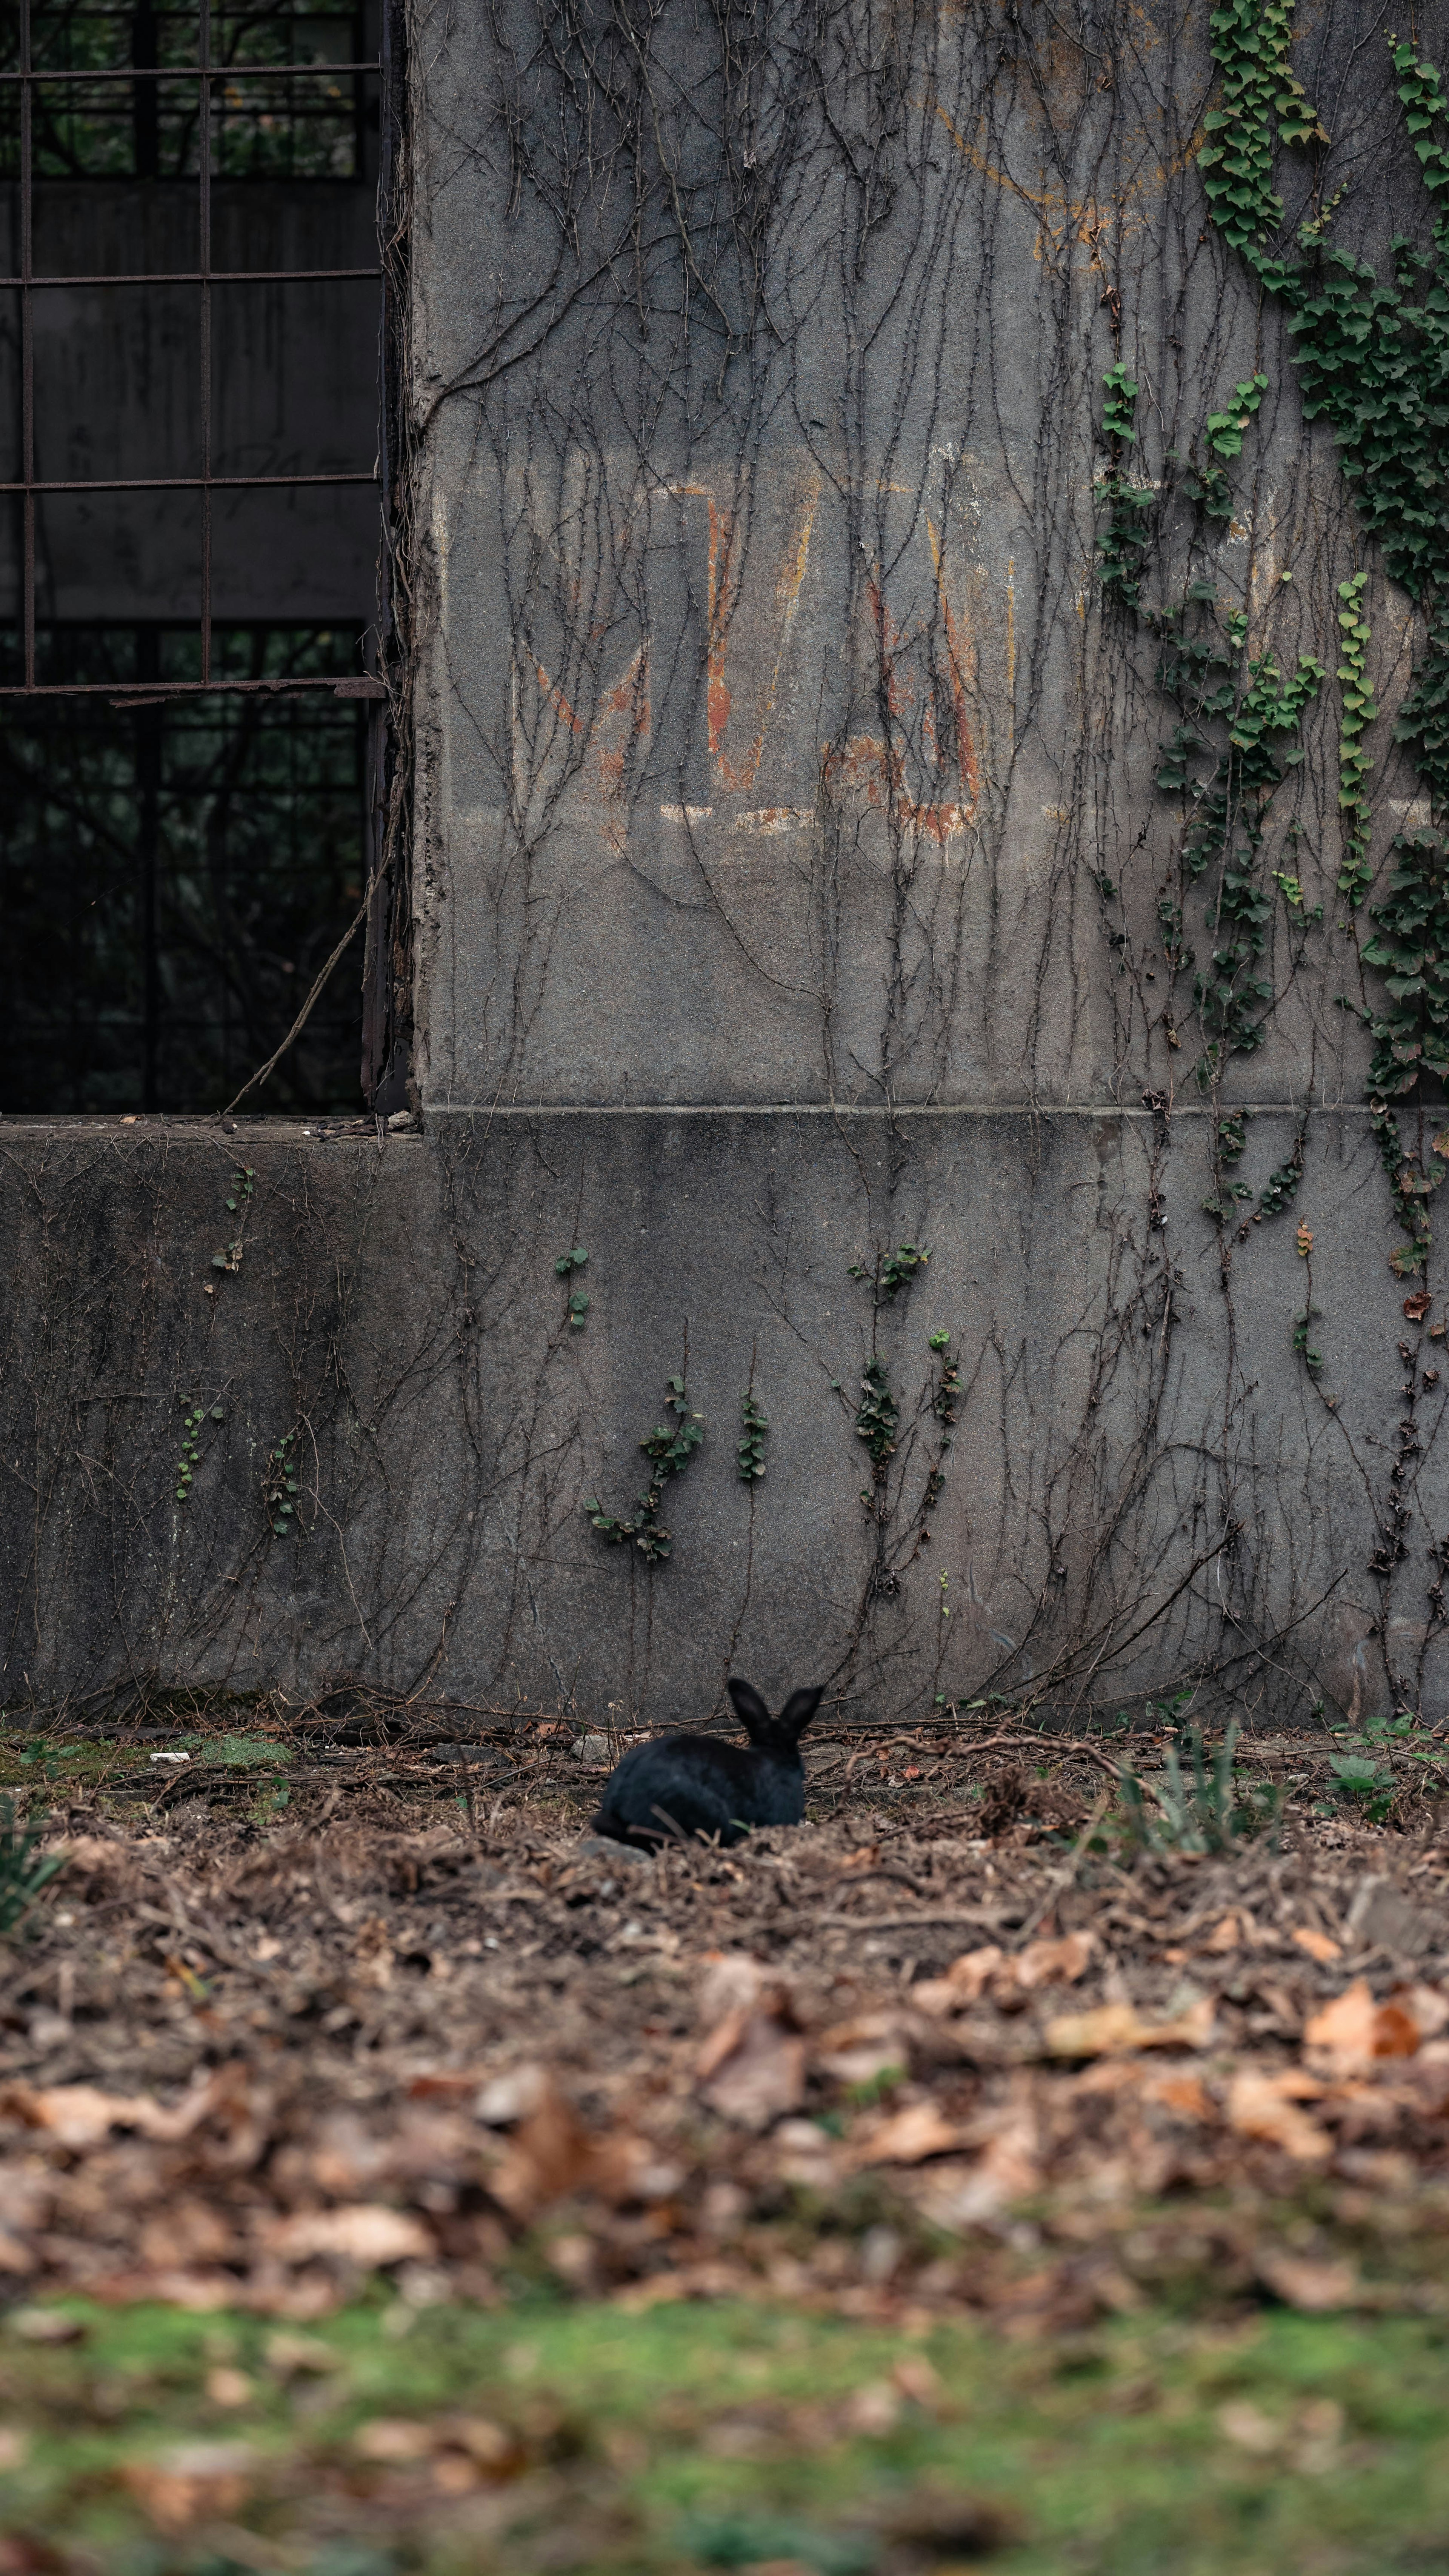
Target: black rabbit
(691, 1784)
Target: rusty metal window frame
(27, 284)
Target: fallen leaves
(751, 2068)
(191, 2482)
(1267, 2107)
(674, 2096)
(1115, 2027)
(1353, 2030)
(364, 2234)
(908, 2137)
(81, 2115)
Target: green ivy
(1229, 808)
(751, 1451)
(1372, 356)
(1223, 433)
(669, 1451)
(892, 1271)
(279, 1483)
(578, 1305)
(1243, 717)
(1355, 874)
(1312, 1359)
(1411, 946)
(877, 1418)
(1250, 47)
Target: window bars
(209, 97)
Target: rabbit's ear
(751, 1711)
(797, 1712)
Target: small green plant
(279, 1484)
(877, 1418)
(564, 1267)
(1206, 1810)
(1223, 433)
(1281, 1187)
(243, 1186)
(1120, 406)
(1302, 1324)
(1355, 875)
(751, 1451)
(190, 1458)
(23, 1872)
(949, 1389)
(669, 1451)
(1365, 1783)
(894, 1270)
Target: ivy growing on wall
(1239, 715)
(669, 1450)
(1355, 874)
(1373, 360)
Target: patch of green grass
(1286, 2446)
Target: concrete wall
(774, 750)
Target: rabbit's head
(774, 1734)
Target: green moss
(1117, 2450)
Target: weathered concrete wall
(396, 1307)
(793, 884)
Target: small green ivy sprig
(949, 1389)
(893, 1271)
(1122, 538)
(279, 1484)
(190, 1458)
(564, 1267)
(1223, 434)
(669, 1451)
(877, 1420)
(1355, 874)
(1302, 1324)
(243, 1186)
(751, 1451)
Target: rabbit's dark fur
(692, 1784)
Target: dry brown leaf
(191, 2481)
(1226, 1935)
(1007, 2169)
(1266, 2107)
(81, 2115)
(1058, 1962)
(365, 2233)
(752, 2069)
(1354, 2030)
(1317, 1944)
(908, 2138)
(1185, 2095)
(963, 1983)
(856, 2052)
(1112, 2027)
(1247, 2425)
(1316, 2288)
(548, 2156)
(393, 2438)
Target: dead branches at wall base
(257, 2076)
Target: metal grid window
(212, 126)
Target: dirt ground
(304, 2009)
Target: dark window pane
(173, 876)
(261, 128)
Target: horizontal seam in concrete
(923, 1109)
